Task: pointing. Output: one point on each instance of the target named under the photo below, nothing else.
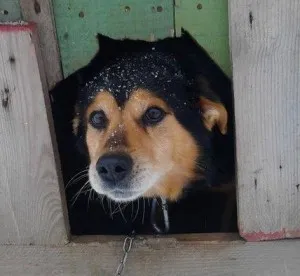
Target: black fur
(188, 61)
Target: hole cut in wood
(202, 210)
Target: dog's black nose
(114, 167)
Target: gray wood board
(155, 256)
(41, 13)
(31, 208)
(265, 45)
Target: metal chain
(165, 214)
(127, 245)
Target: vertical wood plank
(41, 12)
(207, 21)
(78, 23)
(265, 45)
(31, 207)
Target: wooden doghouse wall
(41, 13)
(78, 22)
(265, 54)
(9, 10)
(207, 21)
(31, 206)
(265, 44)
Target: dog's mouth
(121, 195)
(135, 186)
(124, 195)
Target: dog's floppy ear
(213, 111)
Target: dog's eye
(153, 116)
(98, 119)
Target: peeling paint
(19, 26)
(262, 236)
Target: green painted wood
(78, 21)
(207, 21)
(9, 10)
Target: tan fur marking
(166, 149)
(168, 146)
(214, 113)
(96, 139)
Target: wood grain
(31, 209)
(41, 13)
(77, 25)
(207, 22)
(265, 45)
(155, 256)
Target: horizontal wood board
(155, 256)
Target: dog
(154, 118)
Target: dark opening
(201, 210)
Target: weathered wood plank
(9, 10)
(31, 208)
(207, 21)
(200, 237)
(155, 257)
(265, 44)
(78, 22)
(41, 13)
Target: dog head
(145, 127)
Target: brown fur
(214, 113)
(166, 147)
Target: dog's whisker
(80, 172)
(74, 178)
(116, 209)
(81, 191)
(90, 191)
(137, 210)
(79, 178)
(94, 194)
(132, 207)
(110, 209)
(75, 197)
(102, 197)
(122, 214)
(143, 218)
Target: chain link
(127, 245)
